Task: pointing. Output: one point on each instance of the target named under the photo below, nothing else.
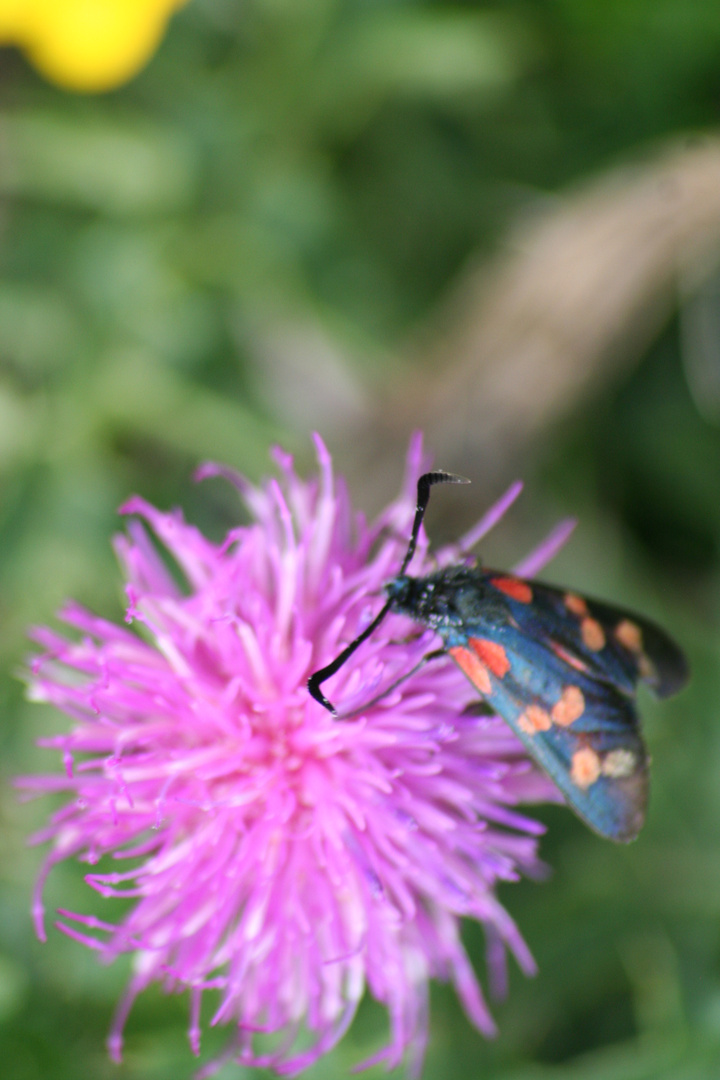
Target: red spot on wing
(534, 719)
(576, 604)
(570, 706)
(592, 634)
(585, 767)
(629, 634)
(515, 589)
(491, 655)
(470, 665)
(567, 657)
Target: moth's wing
(607, 642)
(582, 731)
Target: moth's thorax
(446, 600)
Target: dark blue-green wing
(562, 671)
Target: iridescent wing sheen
(608, 642)
(562, 671)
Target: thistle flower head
(282, 859)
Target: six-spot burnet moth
(560, 669)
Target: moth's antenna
(324, 673)
(425, 482)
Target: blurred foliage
(335, 162)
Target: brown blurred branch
(578, 292)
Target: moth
(561, 669)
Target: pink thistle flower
(282, 858)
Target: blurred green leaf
(115, 168)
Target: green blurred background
(498, 221)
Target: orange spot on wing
(470, 665)
(629, 634)
(585, 767)
(491, 654)
(534, 719)
(515, 589)
(592, 634)
(570, 706)
(576, 604)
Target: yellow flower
(88, 45)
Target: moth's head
(423, 599)
(400, 591)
